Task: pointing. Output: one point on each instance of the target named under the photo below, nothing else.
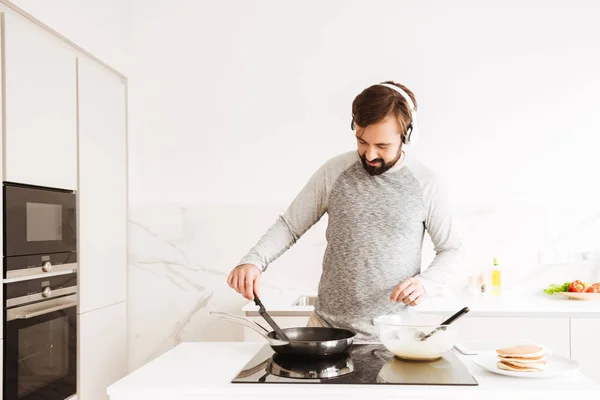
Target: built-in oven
(40, 338)
(40, 230)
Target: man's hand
(245, 279)
(409, 292)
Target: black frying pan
(303, 341)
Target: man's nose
(371, 154)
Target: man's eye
(382, 146)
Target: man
(379, 203)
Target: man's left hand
(409, 292)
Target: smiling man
(379, 202)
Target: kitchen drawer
(283, 322)
(552, 333)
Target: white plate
(557, 365)
(476, 347)
(580, 296)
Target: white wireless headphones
(412, 133)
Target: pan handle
(241, 320)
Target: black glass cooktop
(362, 364)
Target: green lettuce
(557, 288)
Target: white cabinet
(552, 333)
(585, 347)
(102, 350)
(64, 120)
(283, 322)
(41, 106)
(102, 186)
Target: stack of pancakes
(523, 358)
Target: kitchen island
(204, 370)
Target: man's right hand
(245, 279)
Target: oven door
(40, 350)
(38, 220)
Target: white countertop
(524, 304)
(205, 369)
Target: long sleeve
(439, 224)
(306, 209)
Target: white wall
(101, 27)
(233, 96)
(234, 104)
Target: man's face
(379, 145)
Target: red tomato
(577, 286)
(595, 288)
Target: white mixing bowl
(404, 339)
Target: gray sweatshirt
(374, 237)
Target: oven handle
(40, 272)
(46, 311)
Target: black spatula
(263, 312)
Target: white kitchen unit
(64, 126)
(40, 137)
(585, 346)
(102, 227)
(102, 187)
(102, 350)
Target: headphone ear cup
(406, 138)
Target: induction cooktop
(362, 364)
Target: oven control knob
(47, 266)
(47, 292)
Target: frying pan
(303, 341)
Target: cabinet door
(585, 347)
(41, 106)
(552, 333)
(102, 186)
(102, 351)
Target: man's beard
(380, 169)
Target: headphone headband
(412, 132)
(402, 92)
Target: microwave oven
(40, 230)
